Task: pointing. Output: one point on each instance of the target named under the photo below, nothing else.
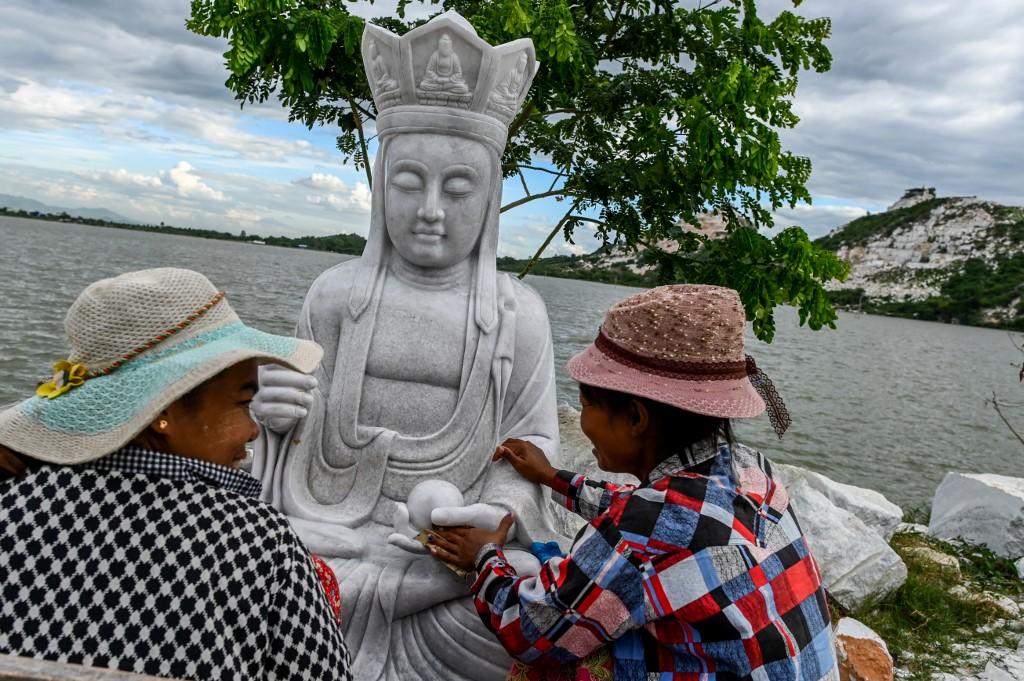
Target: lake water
(890, 404)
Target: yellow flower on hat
(65, 377)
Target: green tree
(643, 113)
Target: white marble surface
(431, 359)
(980, 509)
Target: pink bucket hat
(681, 345)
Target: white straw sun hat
(139, 341)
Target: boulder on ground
(862, 654)
(1020, 567)
(877, 512)
(1009, 667)
(857, 564)
(986, 510)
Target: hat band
(704, 371)
(671, 368)
(69, 375)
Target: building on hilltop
(914, 196)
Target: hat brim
(732, 398)
(105, 413)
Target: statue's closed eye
(407, 180)
(459, 186)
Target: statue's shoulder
(331, 288)
(528, 303)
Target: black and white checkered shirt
(160, 565)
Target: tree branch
(613, 31)
(522, 178)
(995, 403)
(547, 241)
(586, 219)
(362, 141)
(543, 170)
(533, 197)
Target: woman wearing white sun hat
(130, 540)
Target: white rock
(1004, 603)
(856, 563)
(981, 509)
(877, 512)
(1008, 667)
(943, 560)
(911, 528)
(1020, 567)
(946, 676)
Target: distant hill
(952, 259)
(615, 264)
(21, 203)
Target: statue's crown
(444, 68)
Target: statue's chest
(415, 361)
(419, 341)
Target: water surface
(891, 404)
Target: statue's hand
(404, 532)
(406, 544)
(484, 516)
(284, 397)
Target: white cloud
(336, 193)
(817, 220)
(325, 181)
(242, 216)
(73, 191)
(126, 179)
(190, 186)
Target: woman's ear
(155, 435)
(639, 417)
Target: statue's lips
(428, 237)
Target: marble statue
(431, 359)
(444, 71)
(380, 79)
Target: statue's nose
(431, 210)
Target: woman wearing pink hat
(702, 570)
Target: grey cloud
(920, 93)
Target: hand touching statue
(459, 545)
(528, 460)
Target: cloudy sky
(115, 104)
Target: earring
(163, 424)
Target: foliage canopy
(643, 113)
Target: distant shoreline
(346, 244)
(559, 266)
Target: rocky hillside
(953, 259)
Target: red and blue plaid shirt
(700, 573)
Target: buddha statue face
(444, 46)
(435, 197)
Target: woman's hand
(459, 545)
(528, 460)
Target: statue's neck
(432, 278)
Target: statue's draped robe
(407, 616)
